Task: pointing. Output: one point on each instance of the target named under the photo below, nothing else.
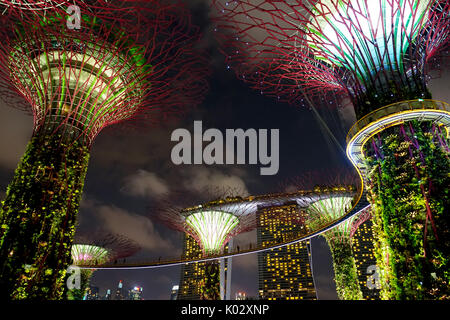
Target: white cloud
(133, 226)
(200, 178)
(145, 184)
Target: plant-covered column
(345, 271)
(381, 248)
(324, 212)
(408, 184)
(210, 285)
(38, 217)
(79, 293)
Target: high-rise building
(363, 251)
(240, 295)
(135, 293)
(92, 293)
(174, 292)
(107, 295)
(284, 273)
(119, 292)
(193, 273)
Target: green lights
(83, 254)
(212, 228)
(83, 89)
(373, 35)
(331, 208)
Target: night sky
(128, 171)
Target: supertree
(376, 53)
(328, 209)
(211, 224)
(339, 241)
(103, 249)
(140, 64)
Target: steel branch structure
(98, 251)
(139, 65)
(212, 225)
(25, 9)
(328, 209)
(214, 222)
(35, 5)
(375, 52)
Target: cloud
(201, 178)
(192, 182)
(133, 226)
(145, 184)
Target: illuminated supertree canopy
(88, 254)
(212, 228)
(375, 52)
(104, 248)
(139, 65)
(211, 224)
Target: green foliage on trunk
(38, 218)
(78, 294)
(409, 190)
(345, 271)
(210, 285)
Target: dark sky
(129, 170)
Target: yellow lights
(283, 272)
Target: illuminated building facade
(119, 292)
(174, 292)
(284, 273)
(107, 295)
(135, 293)
(92, 293)
(240, 296)
(363, 251)
(192, 274)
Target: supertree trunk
(345, 271)
(79, 293)
(210, 286)
(408, 179)
(38, 217)
(376, 53)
